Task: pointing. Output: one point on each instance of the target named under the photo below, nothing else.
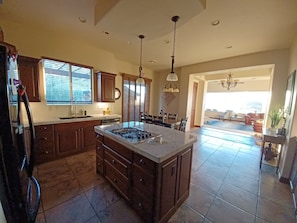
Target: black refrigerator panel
(19, 189)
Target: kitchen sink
(72, 117)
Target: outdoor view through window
(66, 83)
(240, 102)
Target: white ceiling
(247, 26)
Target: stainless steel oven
(109, 121)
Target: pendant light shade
(140, 79)
(173, 76)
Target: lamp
(173, 76)
(140, 79)
(170, 88)
(229, 82)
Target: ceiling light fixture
(229, 82)
(173, 76)
(140, 79)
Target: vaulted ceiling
(244, 26)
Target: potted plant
(276, 114)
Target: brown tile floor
(226, 186)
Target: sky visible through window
(240, 102)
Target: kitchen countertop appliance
(19, 189)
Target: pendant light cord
(174, 19)
(140, 61)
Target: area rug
(229, 125)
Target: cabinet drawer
(44, 154)
(99, 137)
(142, 206)
(145, 163)
(99, 165)
(125, 152)
(120, 182)
(99, 149)
(43, 129)
(143, 181)
(118, 162)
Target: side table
(271, 137)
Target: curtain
(136, 98)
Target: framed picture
(290, 92)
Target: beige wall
(290, 146)
(38, 42)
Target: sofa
(250, 118)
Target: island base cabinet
(154, 190)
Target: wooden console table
(272, 137)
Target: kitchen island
(149, 165)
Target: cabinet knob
(141, 161)
(99, 164)
(141, 180)
(115, 180)
(45, 138)
(140, 205)
(43, 128)
(46, 152)
(113, 161)
(98, 148)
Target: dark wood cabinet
(44, 146)
(61, 140)
(104, 85)
(74, 137)
(29, 75)
(154, 190)
(67, 139)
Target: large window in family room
(240, 102)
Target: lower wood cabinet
(154, 190)
(61, 140)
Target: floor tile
(208, 183)
(75, 210)
(223, 212)
(186, 214)
(239, 198)
(214, 170)
(274, 212)
(199, 200)
(59, 193)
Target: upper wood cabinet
(29, 75)
(104, 85)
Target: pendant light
(140, 79)
(173, 76)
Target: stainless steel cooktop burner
(133, 135)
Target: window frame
(71, 65)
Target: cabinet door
(104, 85)
(88, 139)
(29, 75)
(169, 175)
(185, 165)
(67, 138)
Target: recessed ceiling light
(106, 33)
(229, 47)
(215, 22)
(166, 41)
(82, 19)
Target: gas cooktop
(132, 135)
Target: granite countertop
(172, 141)
(57, 120)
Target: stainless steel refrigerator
(19, 189)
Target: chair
(141, 116)
(148, 119)
(172, 116)
(183, 124)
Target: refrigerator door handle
(33, 198)
(30, 160)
